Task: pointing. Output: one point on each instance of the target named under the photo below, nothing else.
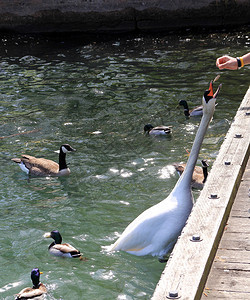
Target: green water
(97, 96)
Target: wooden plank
(238, 224)
(232, 241)
(221, 264)
(235, 281)
(189, 264)
(234, 244)
(230, 255)
(218, 295)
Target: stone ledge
(119, 16)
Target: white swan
(155, 231)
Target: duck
(199, 175)
(197, 111)
(159, 130)
(37, 290)
(45, 167)
(56, 248)
(155, 231)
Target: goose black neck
(205, 173)
(62, 160)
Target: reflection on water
(97, 95)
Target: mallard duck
(197, 111)
(155, 231)
(159, 130)
(45, 167)
(37, 290)
(199, 175)
(58, 249)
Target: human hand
(227, 62)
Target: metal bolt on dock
(173, 295)
(196, 238)
(213, 196)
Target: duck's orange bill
(211, 89)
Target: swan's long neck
(186, 177)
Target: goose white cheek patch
(24, 169)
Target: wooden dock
(229, 277)
(226, 192)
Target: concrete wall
(119, 15)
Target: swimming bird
(58, 249)
(159, 130)
(45, 167)
(37, 290)
(197, 111)
(155, 231)
(199, 175)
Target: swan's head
(209, 97)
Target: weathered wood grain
(218, 295)
(189, 264)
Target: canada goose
(155, 231)
(37, 290)
(58, 249)
(45, 167)
(197, 111)
(199, 175)
(159, 130)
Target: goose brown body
(199, 175)
(45, 167)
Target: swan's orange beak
(211, 89)
(217, 92)
(214, 95)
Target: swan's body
(56, 248)
(37, 290)
(154, 232)
(199, 175)
(197, 111)
(45, 167)
(159, 130)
